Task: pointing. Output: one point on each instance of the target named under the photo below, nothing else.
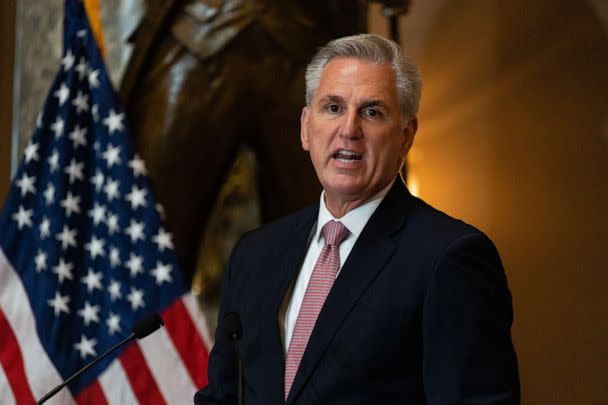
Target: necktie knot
(334, 233)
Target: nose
(350, 127)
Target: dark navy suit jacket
(419, 314)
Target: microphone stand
(239, 366)
(88, 366)
(142, 328)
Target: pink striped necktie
(321, 281)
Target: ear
(304, 128)
(409, 132)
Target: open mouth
(347, 156)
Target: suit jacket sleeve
(468, 356)
(222, 372)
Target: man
(372, 296)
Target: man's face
(354, 131)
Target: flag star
(163, 240)
(138, 166)
(95, 247)
(134, 264)
(81, 33)
(82, 68)
(86, 347)
(136, 298)
(68, 60)
(113, 323)
(114, 121)
(93, 78)
(45, 228)
(162, 273)
(114, 290)
(40, 260)
(39, 120)
(71, 204)
(81, 102)
(135, 230)
(54, 161)
(63, 271)
(111, 189)
(89, 313)
(26, 184)
(98, 213)
(92, 280)
(114, 256)
(95, 112)
(57, 127)
(23, 217)
(112, 223)
(62, 93)
(67, 237)
(49, 194)
(60, 303)
(31, 152)
(78, 136)
(98, 179)
(112, 155)
(137, 197)
(74, 170)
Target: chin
(346, 188)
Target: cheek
(390, 155)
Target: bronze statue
(208, 76)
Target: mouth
(347, 156)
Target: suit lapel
(371, 251)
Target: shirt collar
(355, 219)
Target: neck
(339, 206)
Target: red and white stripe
(167, 367)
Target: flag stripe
(6, 395)
(115, 385)
(193, 307)
(187, 342)
(41, 372)
(12, 362)
(167, 367)
(143, 383)
(92, 394)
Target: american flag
(84, 254)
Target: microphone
(142, 328)
(146, 326)
(232, 325)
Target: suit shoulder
(438, 228)
(281, 227)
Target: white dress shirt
(355, 221)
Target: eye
(372, 112)
(333, 108)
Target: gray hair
(374, 49)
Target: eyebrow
(366, 104)
(374, 103)
(335, 99)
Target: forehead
(353, 77)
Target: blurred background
(513, 138)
